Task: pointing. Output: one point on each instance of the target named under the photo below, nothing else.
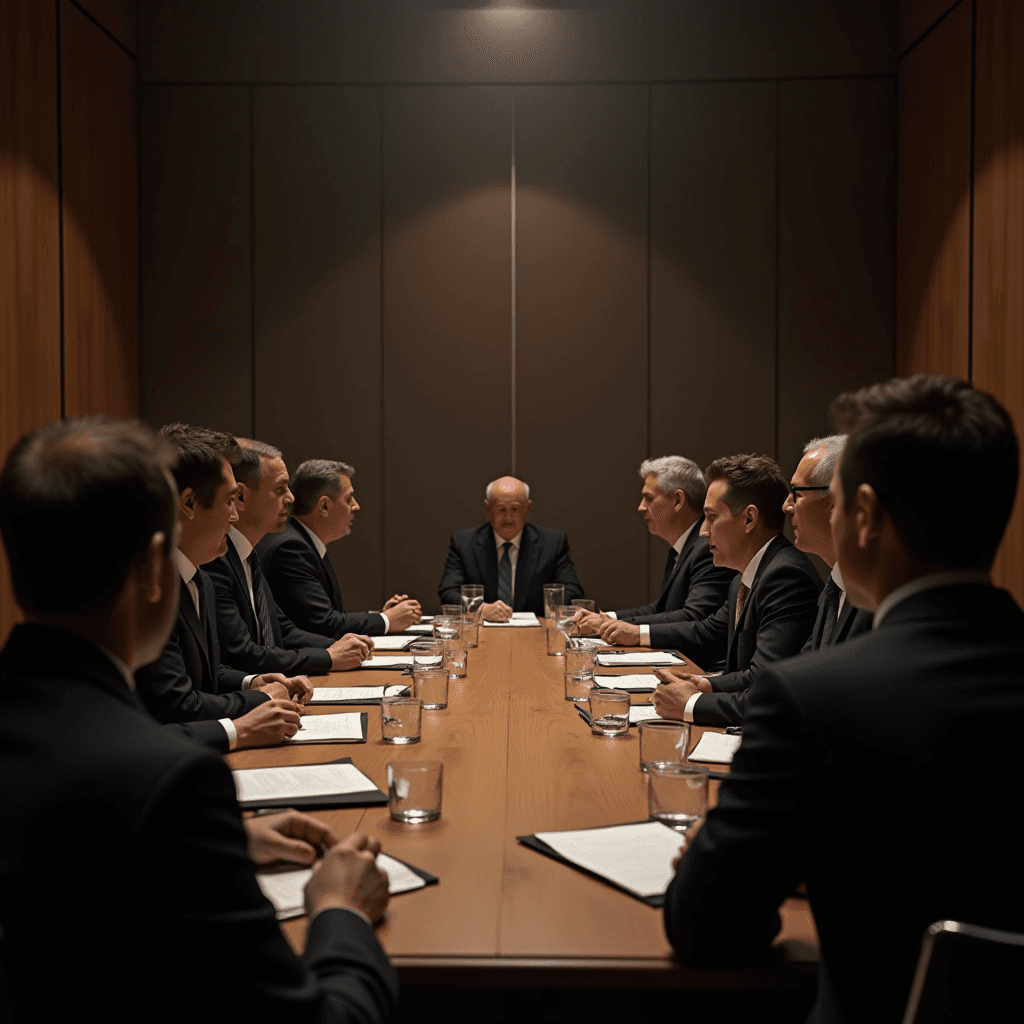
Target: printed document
(639, 658)
(363, 694)
(716, 748)
(343, 728)
(254, 784)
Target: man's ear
(526, 507)
(322, 504)
(240, 496)
(752, 514)
(868, 515)
(679, 500)
(187, 503)
(153, 568)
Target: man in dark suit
(771, 606)
(254, 635)
(295, 561)
(845, 779)
(188, 683)
(511, 558)
(692, 587)
(810, 505)
(161, 871)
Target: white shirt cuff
(611, 615)
(688, 710)
(351, 910)
(387, 626)
(229, 728)
(247, 681)
(645, 636)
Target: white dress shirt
(645, 630)
(188, 572)
(955, 578)
(513, 554)
(837, 576)
(321, 550)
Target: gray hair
(314, 478)
(832, 448)
(487, 492)
(674, 473)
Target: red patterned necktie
(741, 600)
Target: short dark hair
(201, 455)
(314, 478)
(80, 500)
(248, 464)
(915, 440)
(752, 480)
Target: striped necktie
(263, 619)
(505, 574)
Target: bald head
(507, 503)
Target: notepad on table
(390, 661)
(639, 658)
(285, 889)
(637, 713)
(391, 643)
(342, 728)
(518, 619)
(424, 628)
(334, 784)
(716, 748)
(636, 858)
(354, 694)
(644, 683)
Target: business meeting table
(519, 759)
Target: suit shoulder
(549, 536)
(468, 534)
(217, 570)
(789, 558)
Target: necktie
(505, 574)
(670, 564)
(332, 578)
(830, 607)
(741, 600)
(262, 609)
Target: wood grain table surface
(517, 759)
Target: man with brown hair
(771, 606)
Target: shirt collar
(320, 546)
(750, 573)
(241, 542)
(837, 576)
(185, 567)
(955, 578)
(678, 546)
(501, 540)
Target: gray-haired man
(693, 587)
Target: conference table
(519, 759)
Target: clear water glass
(414, 791)
(677, 794)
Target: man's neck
(109, 631)
(755, 541)
(309, 522)
(191, 551)
(252, 534)
(678, 528)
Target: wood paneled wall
(68, 218)
(967, 211)
(334, 255)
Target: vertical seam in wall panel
(650, 177)
(512, 219)
(252, 259)
(383, 451)
(778, 251)
(970, 214)
(60, 210)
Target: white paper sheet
(390, 643)
(641, 713)
(388, 661)
(639, 658)
(637, 857)
(425, 627)
(339, 728)
(285, 888)
(299, 781)
(628, 682)
(334, 694)
(518, 619)
(716, 748)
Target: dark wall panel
(918, 16)
(447, 297)
(100, 219)
(367, 41)
(317, 298)
(196, 256)
(837, 248)
(933, 200)
(118, 17)
(581, 315)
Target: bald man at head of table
(511, 558)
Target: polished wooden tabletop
(517, 759)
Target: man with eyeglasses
(810, 507)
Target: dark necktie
(332, 578)
(670, 564)
(262, 610)
(505, 574)
(830, 607)
(741, 600)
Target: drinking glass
(445, 628)
(578, 686)
(609, 712)
(677, 794)
(580, 654)
(469, 629)
(414, 791)
(400, 719)
(456, 655)
(554, 595)
(472, 599)
(452, 610)
(430, 685)
(582, 602)
(565, 620)
(556, 642)
(662, 740)
(427, 654)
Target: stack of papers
(353, 694)
(343, 728)
(425, 627)
(398, 661)
(518, 619)
(716, 748)
(637, 858)
(340, 784)
(639, 658)
(391, 643)
(285, 888)
(629, 683)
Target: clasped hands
(346, 876)
(612, 631)
(675, 690)
(402, 611)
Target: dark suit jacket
(188, 683)
(294, 651)
(160, 878)
(849, 779)
(695, 589)
(306, 588)
(851, 622)
(543, 558)
(776, 620)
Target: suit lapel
(684, 556)
(187, 611)
(243, 584)
(487, 561)
(322, 566)
(528, 554)
(845, 620)
(776, 544)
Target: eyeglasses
(793, 491)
